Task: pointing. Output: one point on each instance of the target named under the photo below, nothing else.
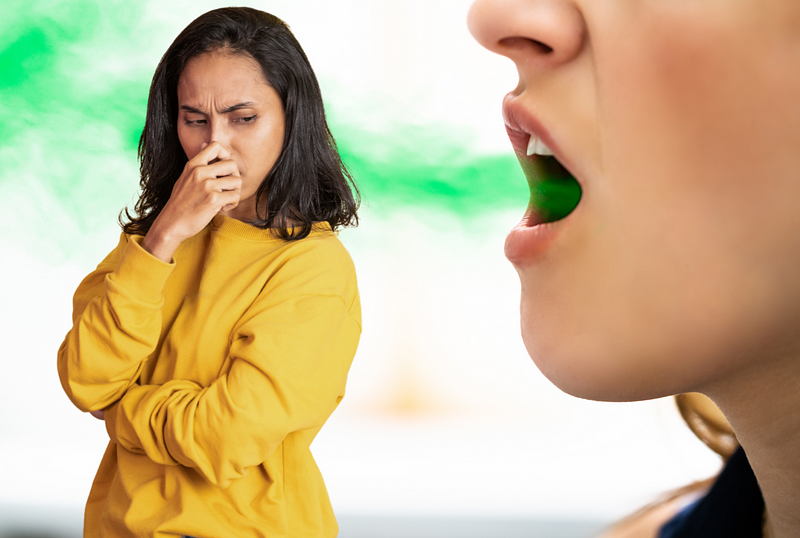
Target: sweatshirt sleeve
(116, 325)
(289, 359)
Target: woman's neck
(763, 406)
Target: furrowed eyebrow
(192, 109)
(232, 108)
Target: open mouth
(554, 191)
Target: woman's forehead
(234, 75)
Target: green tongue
(554, 191)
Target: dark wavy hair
(309, 182)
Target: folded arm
(116, 326)
(289, 360)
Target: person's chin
(588, 367)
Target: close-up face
(225, 98)
(679, 120)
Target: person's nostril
(525, 43)
(546, 49)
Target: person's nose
(533, 33)
(219, 130)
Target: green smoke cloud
(73, 89)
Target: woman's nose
(219, 131)
(543, 33)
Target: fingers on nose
(549, 32)
(221, 148)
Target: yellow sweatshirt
(220, 368)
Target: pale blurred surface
(51, 522)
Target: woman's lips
(530, 240)
(551, 207)
(521, 125)
(527, 244)
(554, 191)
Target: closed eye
(198, 119)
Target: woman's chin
(582, 366)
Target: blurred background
(447, 429)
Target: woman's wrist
(160, 244)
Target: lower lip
(528, 244)
(530, 240)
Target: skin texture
(231, 126)
(678, 270)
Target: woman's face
(224, 97)
(680, 267)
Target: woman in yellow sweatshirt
(216, 338)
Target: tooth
(541, 149)
(532, 143)
(537, 147)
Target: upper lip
(521, 125)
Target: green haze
(441, 175)
(74, 78)
(70, 116)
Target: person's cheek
(189, 148)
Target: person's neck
(763, 407)
(245, 211)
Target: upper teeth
(537, 147)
